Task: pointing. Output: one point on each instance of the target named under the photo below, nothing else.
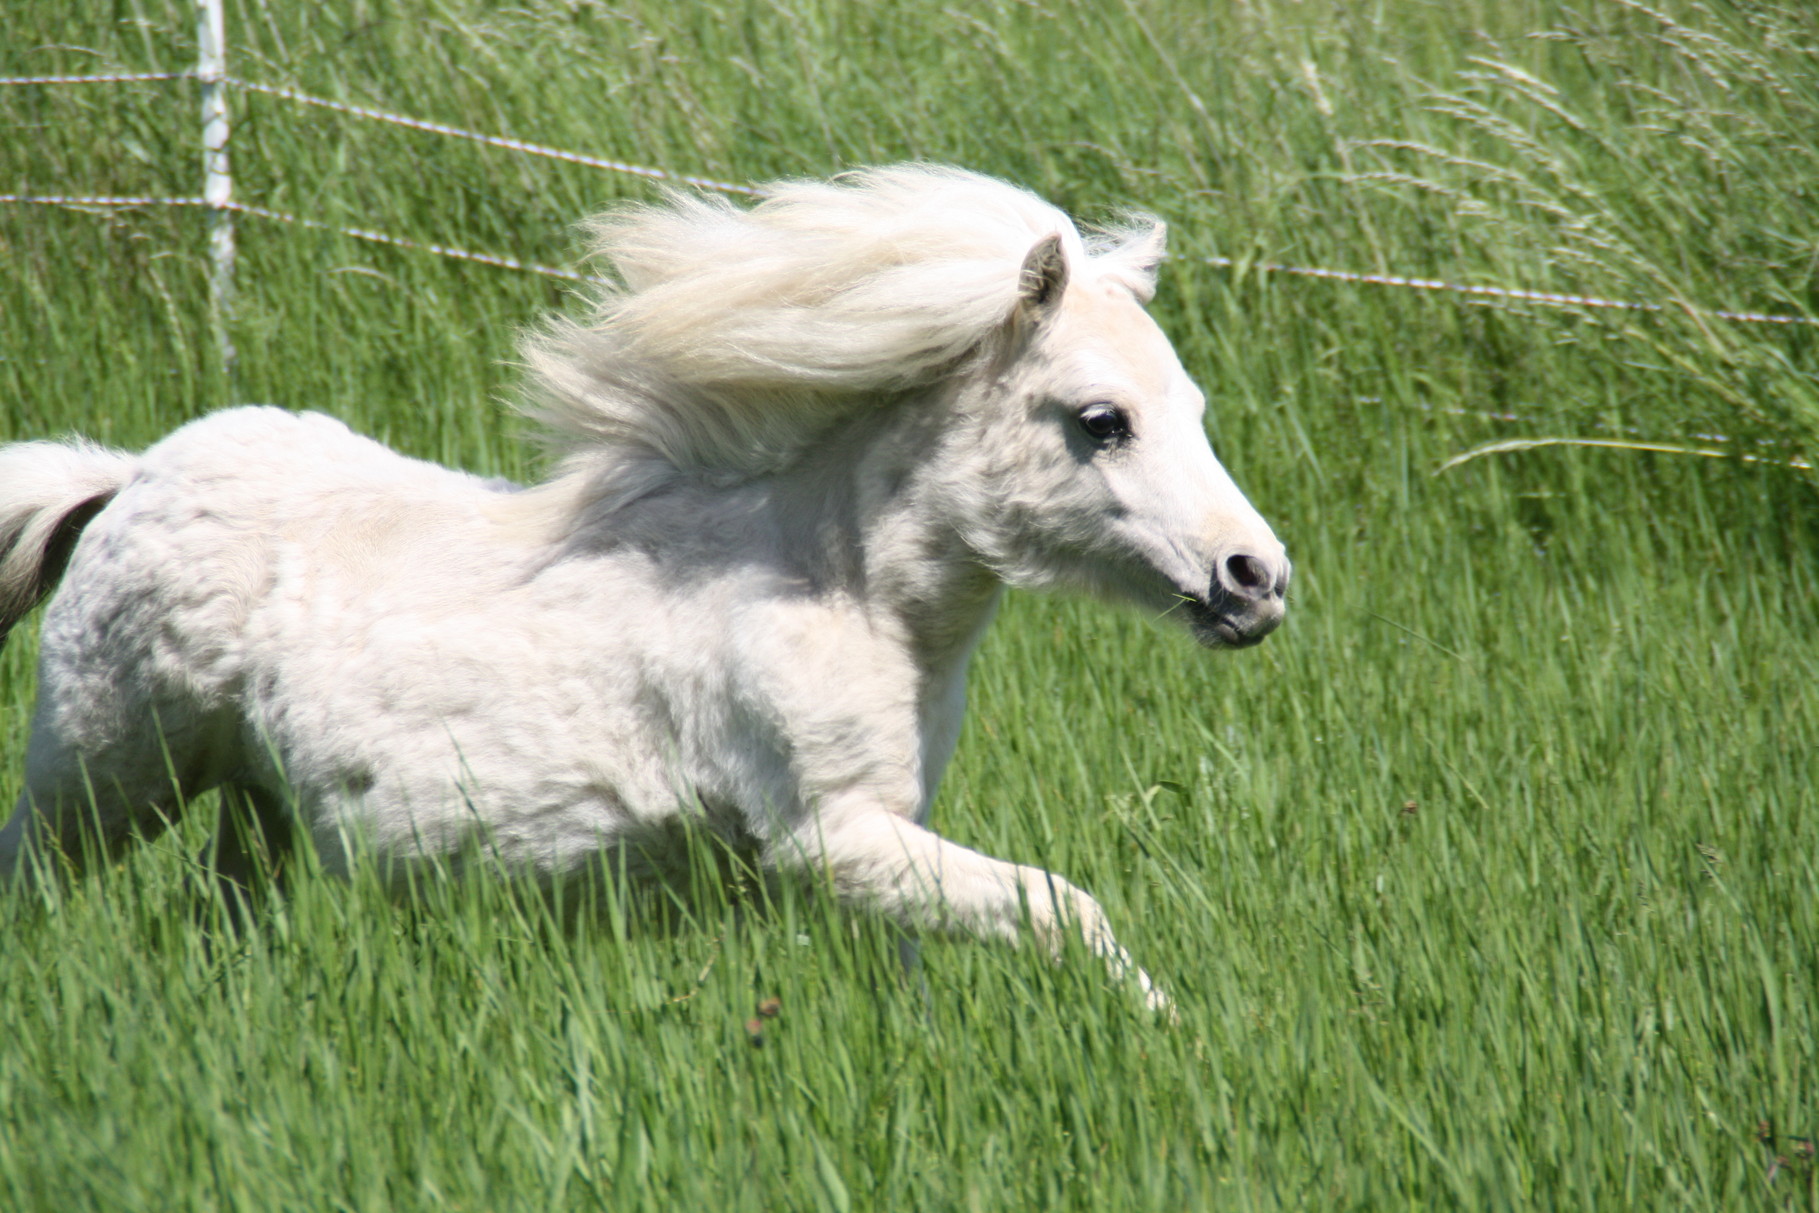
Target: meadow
(1487, 882)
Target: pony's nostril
(1247, 575)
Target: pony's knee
(1057, 908)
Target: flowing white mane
(735, 334)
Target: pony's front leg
(883, 862)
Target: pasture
(1487, 882)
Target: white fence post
(217, 183)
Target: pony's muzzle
(1244, 603)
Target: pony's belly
(439, 784)
(444, 825)
(539, 765)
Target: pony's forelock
(733, 335)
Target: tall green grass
(1487, 883)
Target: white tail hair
(734, 335)
(48, 493)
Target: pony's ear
(1044, 276)
(1140, 257)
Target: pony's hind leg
(69, 828)
(84, 804)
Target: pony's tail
(48, 492)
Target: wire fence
(217, 198)
(515, 145)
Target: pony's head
(1073, 451)
(1090, 464)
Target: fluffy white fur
(808, 443)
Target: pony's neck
(863, 513)
(867, 510)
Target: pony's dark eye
(1105, 423)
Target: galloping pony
(805, 445)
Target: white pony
(807, 443)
